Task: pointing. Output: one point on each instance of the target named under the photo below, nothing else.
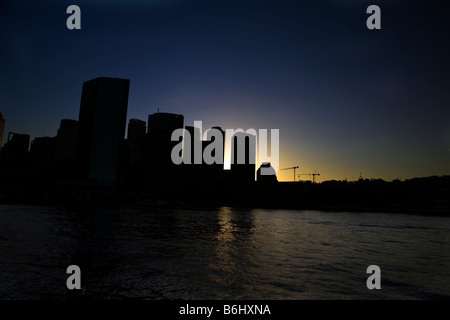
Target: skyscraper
(192, 177)
(213, 173)
(101, 128)
(162, 172)
(66, 140)
(134, 155)
(243, 157)
(2, 129)
(17, 144)
(15, 154)
(42, 152)
(136, 129)
(136, 141)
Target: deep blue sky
(346, 99)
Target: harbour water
(221, 253)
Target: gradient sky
(347, 100)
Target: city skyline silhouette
(91, 155)
(91, 159)
(175, 152)
(348, 100)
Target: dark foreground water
(225, 253)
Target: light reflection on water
(223, 253)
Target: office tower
(17, 145)
(101, 128)
(191, 171)
(15, 155)
(2, 129)
(136, 141)
(243, 157)
(220, 165)
(202, 179)
(65, 149)
(66, 140)
(42, 153)
(161, 171)
(134, 155)
(195, 143)
(213, 173)
(136, 129)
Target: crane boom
(310, 174)
(291, 168)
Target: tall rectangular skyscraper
(101, 128)
(243, 157)
(162, 172)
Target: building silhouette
(136, 141)
(101, 128)
(161, 172)
(42, 152)
(266, 173)
(15, 155)
(62, 169)
(17, 145)
(94, 149)
(137, 129)
(243, 159)
(213, 173)
(66, 140)
(2, 129)
(134, 155)
(192, 173)
(195, 146)
(65, 149)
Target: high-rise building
(192, 176)
(243, 158)
(213, 173)
(136, 141)
(195, 143)
(101, 128)
(17, 144)
(65, 149)
(42, 152)
(66, 140)
(201, 178)
(2, 129)
(15, 154)
(162, 172)
(136, 129)
(134, 155)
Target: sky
(348, 101)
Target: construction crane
(291, 168)
(310, 174)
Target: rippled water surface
(223, 253)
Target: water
(223, 253)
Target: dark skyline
(346, 99)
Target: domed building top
(266, 173)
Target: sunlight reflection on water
(223, 253)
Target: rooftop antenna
(158, 110)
